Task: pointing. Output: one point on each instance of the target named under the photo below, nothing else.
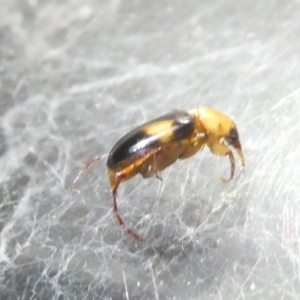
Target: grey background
(75, 76)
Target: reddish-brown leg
(122, 176)
(84, 169)
(118, 216)
(232, 167)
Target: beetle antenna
(83, 170)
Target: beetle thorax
(214, 122)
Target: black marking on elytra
(137, 142)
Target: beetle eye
(233, 136)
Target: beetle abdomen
(171, 127)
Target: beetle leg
(118, 216)
(232, 167)
(84, 169)
(115, 182)
(221, 149)
(158, 177)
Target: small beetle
(155, 145)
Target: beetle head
(218, 125)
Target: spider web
(75, 78)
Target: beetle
(157, 144)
